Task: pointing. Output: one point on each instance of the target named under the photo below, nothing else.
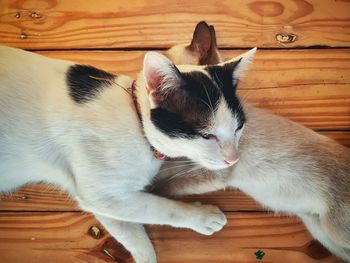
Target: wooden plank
(100, 24)
(341, 137)
(308, 86)
(37, 197)
(41, 197)
(49, 237)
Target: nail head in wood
(23, 35)
(35, 15)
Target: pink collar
(156, 153)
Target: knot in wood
(286, 37)
(95, 232)
(23, 35)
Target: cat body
(63, 134)
(285, 167)
(77, 127)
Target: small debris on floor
(259, 254)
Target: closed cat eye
(209, 136)
(239, 127)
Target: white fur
(286, 168)
(96, 151)
(157, 65)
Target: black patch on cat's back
(85, 82)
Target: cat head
(201, 51)
(193, 111)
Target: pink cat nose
(231, 162)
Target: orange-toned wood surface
(41, 197)
(53, 24)
(53, 237)
(302, 71)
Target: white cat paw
(208, 219)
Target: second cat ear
(160, 73)
(204, 44)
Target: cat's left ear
(159, 72)
(161, 76)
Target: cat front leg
(132, 236)
(169, 186)
(145, 208)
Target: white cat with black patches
(76, 127)
(283, 166)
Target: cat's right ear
(160, 74)
(204, 44)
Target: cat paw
(208, 219)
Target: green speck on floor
(259, 254)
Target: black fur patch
(85, 82)
(172, 124)
(185, 111)
(223, 77)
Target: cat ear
(201, 41)
(160, 74)
(204, 44)
(240, 65)
(244, 64)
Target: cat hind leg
(132, 236)
(317, 229)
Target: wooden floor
(302, 71)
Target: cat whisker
(175, 167)
(246, 95)
(212, 112)
(178, 161)
(183, 172)
(211, 105)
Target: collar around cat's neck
(156, 153)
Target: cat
(286, 168)
(78, 127)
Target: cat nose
(232, 161)
(230, 154)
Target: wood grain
(308, 86)
(41, 197)
(50, 237)
(339, 136)
(67, 24)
